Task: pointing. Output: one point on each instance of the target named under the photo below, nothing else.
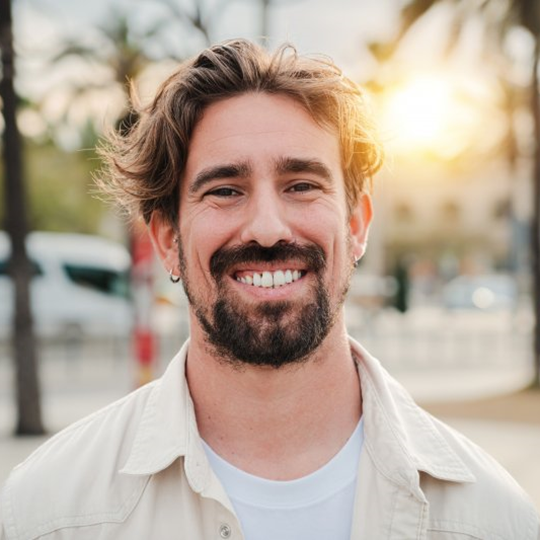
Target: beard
(272, 334)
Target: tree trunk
(535, 229)
(23, 342)
(265, 8)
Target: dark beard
(267, 336)
(271, 342)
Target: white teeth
(269, 280)
(279, 278)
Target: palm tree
(121, 49)
(29, 420)
(114, 52)
(498, 24)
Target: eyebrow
(243, 170)
(299, 165)
(230, 170)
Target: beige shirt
(137, 470)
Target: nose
(266, 221)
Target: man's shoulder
(73, 479)
(467, 491)
(493, 503)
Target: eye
(301, 187)
(224, 192)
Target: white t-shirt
(316, 507)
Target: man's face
(266, 247)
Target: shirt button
(225, 531)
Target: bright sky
(426, 108)
(338, 28)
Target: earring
(173, 278)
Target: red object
(144, 339)
(141, 246)
(145, 346)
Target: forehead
(259, 128)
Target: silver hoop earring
(173, 278)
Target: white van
(80, 286)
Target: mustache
(225, 258)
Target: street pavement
(78, 381)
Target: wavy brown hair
(144, 167)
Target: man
(252, 172)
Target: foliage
(492, 21)
(58, 185)
(105, 61)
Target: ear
(359, 222)
(165, 240)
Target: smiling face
(266, 242)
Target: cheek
(327, 228)
(202, 236)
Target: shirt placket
(221, 519)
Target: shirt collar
(402, 438)
(167, 429)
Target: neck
(276, 423)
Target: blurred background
(447, 294)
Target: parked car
(80, 286)
(481, 292)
